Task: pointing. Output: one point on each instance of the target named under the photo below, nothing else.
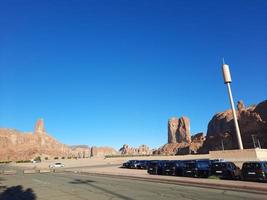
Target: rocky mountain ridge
(221, 132)
(15, 145)
(180, 141)
(252, 123)
(252, 120)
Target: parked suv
(156, 167)
(179, 167)
(142, 164)
(255, 171)
(197, 168)
(225, 170)
(168, 168)
(130, 164)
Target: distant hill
(16, 145)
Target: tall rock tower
(172, 129)
(179, 130)
(39, 127)
(183, 133)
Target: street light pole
(227, 81)
(222, 144)
(254, 142)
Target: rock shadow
(79, 181)
(17, 193)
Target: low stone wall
(261, 154)
(9, 172)
(29, 171)
(240, 155)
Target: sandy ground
(86, 162)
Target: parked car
(254, 171)
(156, 167)
(197, 168)
(130, 164)
(225, 170)
(142, 164)
(179, 168)
(126, 164)
(169, 167)
(56, 165)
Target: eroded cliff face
(15, 145)
(253, 127)
(179, 130)
(141, 150)
(179, 138)
(102, 151)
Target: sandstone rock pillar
(172, 129)
(183, 132)
(39, 127)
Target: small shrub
(37, 159)
(23, 161)
(46, 158)
(62, 157)
(5, 162)
(55, 158)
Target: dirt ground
(85, 162)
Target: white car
(56, 165)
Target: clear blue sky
(113, 72)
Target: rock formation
(39, 127)
(15, 145)
(197, 142)
(253, 126)
(141, 150)
(80, 151)
(179, 130)
(102, 151)
(179, 138)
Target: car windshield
(58, 163)
(153, 163)
(219, 165)
(190, 165)
(202, 164)
(252, 166)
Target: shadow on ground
(79, 181)
(90, 183)
(17, 193)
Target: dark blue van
(254, 171)
(225, 170)
(197, 168)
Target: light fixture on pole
(227, 81)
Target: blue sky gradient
(113, 72)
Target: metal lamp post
(227, 81)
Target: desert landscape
(133, 100)
(19, 146)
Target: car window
(203, 164)
(233, 166)
(252, 166)
(218, 165)
(190, 165)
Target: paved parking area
(70, 186)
